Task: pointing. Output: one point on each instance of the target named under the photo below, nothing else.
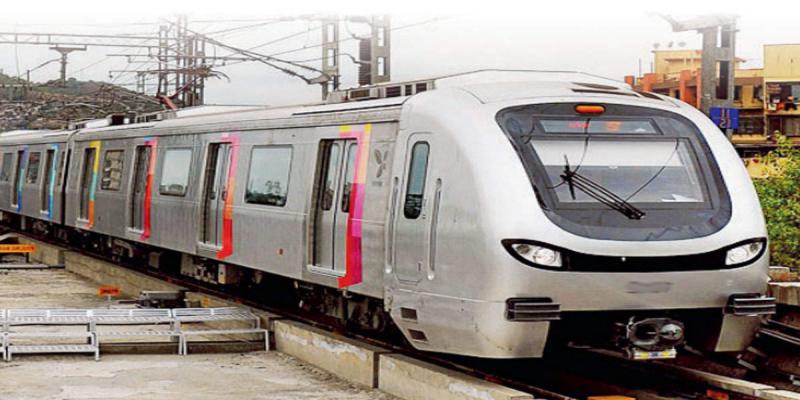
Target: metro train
(492, 214)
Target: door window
(60, 176)
(415, 191)
(349, 175)
(329, 188)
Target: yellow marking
(17, 248)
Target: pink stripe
(353, 241)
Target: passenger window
(32, 173)
(5, 171)
(352, 149)
(415, 191)
(175, 172)
(112, 170)
(268, 182)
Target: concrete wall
(106, 274)
(45, 253)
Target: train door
(411, 227)
(87, 175)
(46, 188)
(141, 166)
(16, 190)
(332, 206)
(215, 192)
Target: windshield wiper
(597, 192)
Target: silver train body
(457, 207)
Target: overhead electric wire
(287, 37)
(411, 25)
(349, 39)
(102, 60)
(262, 58)
(238, 28)
(278, 40)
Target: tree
(779, 193)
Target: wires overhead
(401, 27)
(266, 59)
(240, 28)
(181, 59)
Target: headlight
(744, 253)
(537, 254)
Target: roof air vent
(394, 91)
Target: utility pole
(380, 49)
(717, 78)
(330, 55)
(374, 53)
(64, 51)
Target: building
(782, 88)
(768, 98)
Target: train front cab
(473, 289)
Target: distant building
(768, 98)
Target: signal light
(589, 109)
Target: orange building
(768, 98)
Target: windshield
(628, 173)
(638, 171)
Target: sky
(604, 38)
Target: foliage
(779, 192)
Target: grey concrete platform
(207, 376)
(258, 375)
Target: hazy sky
(605, 38)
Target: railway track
(773, 355)
(572, 373)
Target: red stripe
(353, 242)
(148, 190)
(227, 223)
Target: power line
(287, 37)
(238, 28)
(353, 38)
(262, 58)
(102, 60)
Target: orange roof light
(589, 109)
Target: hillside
(51, 106)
